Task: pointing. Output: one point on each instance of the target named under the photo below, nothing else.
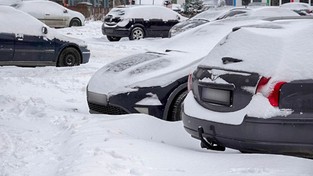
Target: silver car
(51, 13)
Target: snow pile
(45, 128)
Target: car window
(45, 8)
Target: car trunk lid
(224, 90)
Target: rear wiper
(227, 60)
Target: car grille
(109, 109)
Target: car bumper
(99, 103)
(115, 31)
(123, 103)
(291, 135)
(85, 54)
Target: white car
(299, 7)
(51, 13)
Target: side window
(52, 8)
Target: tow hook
(207, 144)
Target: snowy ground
(45, 128)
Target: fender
(65, 45)
(172, 96)
(137, 23)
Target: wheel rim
(137, 34)
(75, 23)
(69, 60)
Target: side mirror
(65, 11)
(44, 30)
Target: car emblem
(214, 77)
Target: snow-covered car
(137, 22)
(51, 13)
(26, 41)
(155, 82)
(300, 7)
(204, 17)
(177, 8)
(229, 12)
(257, 97)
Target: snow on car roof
(146, 12)
(270, 11)
(13, 20)
(296, 5)
(212, 13)
(280, 50)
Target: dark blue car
(25, 41)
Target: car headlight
(97, 98)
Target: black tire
(137, 33)
(113, 39)
(75, 22)
(175, 110)
(69, 57)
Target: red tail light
(189, 84)
(263, 81)
(274, 95)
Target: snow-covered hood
(53, 33)
(142, 70)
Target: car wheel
(136, 34)
(69, 57)
(75, 22)
(175, 111)
(113, 39)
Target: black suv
(137, 22)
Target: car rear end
(226, 96)
(114, 23)
(250, 102)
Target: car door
(54, 14)
(35, 50)
(163, 20)
(6, 47)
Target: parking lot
(46, 129)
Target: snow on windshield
(146, 12)
(272, 12)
